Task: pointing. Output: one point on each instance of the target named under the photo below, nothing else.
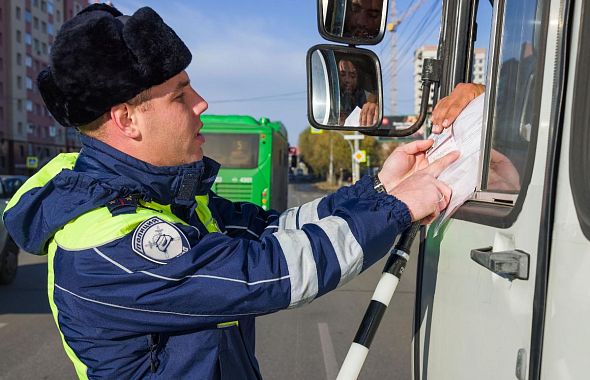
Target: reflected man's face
(364, 18)
(348, 76)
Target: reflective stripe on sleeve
(348, 250)
(308, 213)
(288, 219)
(301, 264)
(296, 217)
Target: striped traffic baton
(385, 288)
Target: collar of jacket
(128, 175)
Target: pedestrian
(151, 274)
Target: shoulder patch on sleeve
(159, 241)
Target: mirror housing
(344, 88)
(431, 75)
(329, 105)
(353, 22)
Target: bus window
(236, 151)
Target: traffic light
(293, 153)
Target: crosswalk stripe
(330, 362)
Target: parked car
(8, 249)
(11, 183)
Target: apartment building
(429, 51)
(28, 133)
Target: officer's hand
(404, 161)
(425, 195)
(369, 114)
(447, 109)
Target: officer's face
(171, 122)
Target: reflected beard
(362, 34)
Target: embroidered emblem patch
(158, 241)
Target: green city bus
(254, 159)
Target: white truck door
(478, 303)
(566, 332)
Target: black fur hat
(101, 58)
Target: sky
(249, 56)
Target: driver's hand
(369, 114)
(447, 109)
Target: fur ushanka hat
(101, 58)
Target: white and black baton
(385, 288)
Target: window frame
(580, 134)
(492, 208)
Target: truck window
(513, 97)
(510, 120)
(479, 56)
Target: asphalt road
(311, 342)
(306, 343)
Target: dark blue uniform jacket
(153, 275)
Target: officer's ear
(122, 117)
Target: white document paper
(465, 136)
(354, 119)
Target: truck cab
(502, 286)
(501, 292)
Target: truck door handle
(508, 264)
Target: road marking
(328, 351)
(3, 325)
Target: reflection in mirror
(356, 21)
(345, 89)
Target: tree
(315, 151)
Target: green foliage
(315, 150)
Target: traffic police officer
(150, 273)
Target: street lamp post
(356, 167)
(331, 167)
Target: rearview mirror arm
(431, 74)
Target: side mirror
(354, 22)
(344, 88)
